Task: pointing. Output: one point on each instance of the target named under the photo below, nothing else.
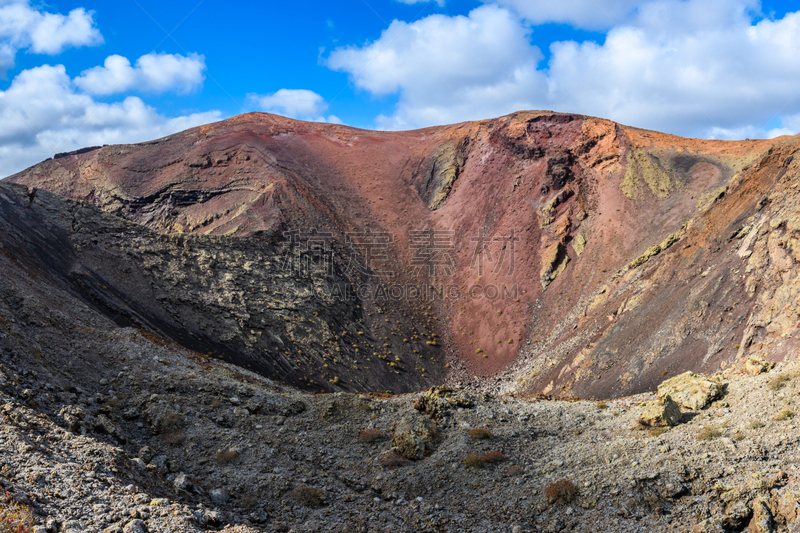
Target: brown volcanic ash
(611, 256)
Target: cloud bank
(706, 68)
(299, 104)
(43, 114)
(44, 111)
(151, 73)
(25, 27)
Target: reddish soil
(263, 174)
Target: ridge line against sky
(81, 73)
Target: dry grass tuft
(779, 382)
(561, 491)
(307, 496)
(14, 518)
(369, 436)
(514, 471)
(480, 433)
(226, 457)
(170, 427)
(708, 433)
(479, 460)
(393, 460)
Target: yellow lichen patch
(554, 261)
(707, 199)
(579, 243)
(656, 249)
(658, 178)
(631, 182)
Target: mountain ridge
(590, 229)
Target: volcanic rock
(415, 435)
(690, 390)
(661, 413)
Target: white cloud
(447, 69)
(23, 26)
(587, 14)
(691, 67)
(440, 2)
(790, 125)
(694, 67)
(300, 104)
(152, 73)
(42, 114)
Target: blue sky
(87, 72)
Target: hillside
(538, 252)
(171, 312)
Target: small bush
(561, 491)
(756, 424)
(708, 433)
(494, 457)
(779, 382)
(514, 471)
(14, 518)
(601, 405)
(393, 460)
(170, 427)
(248, 501)
(169, 424)
(479, 460)
(225, 457)
(656, 431)
(785, 415)
(368, 436)
(307, 496)
(480, 433)
(474, 460)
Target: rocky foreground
(641, 256)
(134, 434)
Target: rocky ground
(137, 434)
(121, 408)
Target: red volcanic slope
(560, 251)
